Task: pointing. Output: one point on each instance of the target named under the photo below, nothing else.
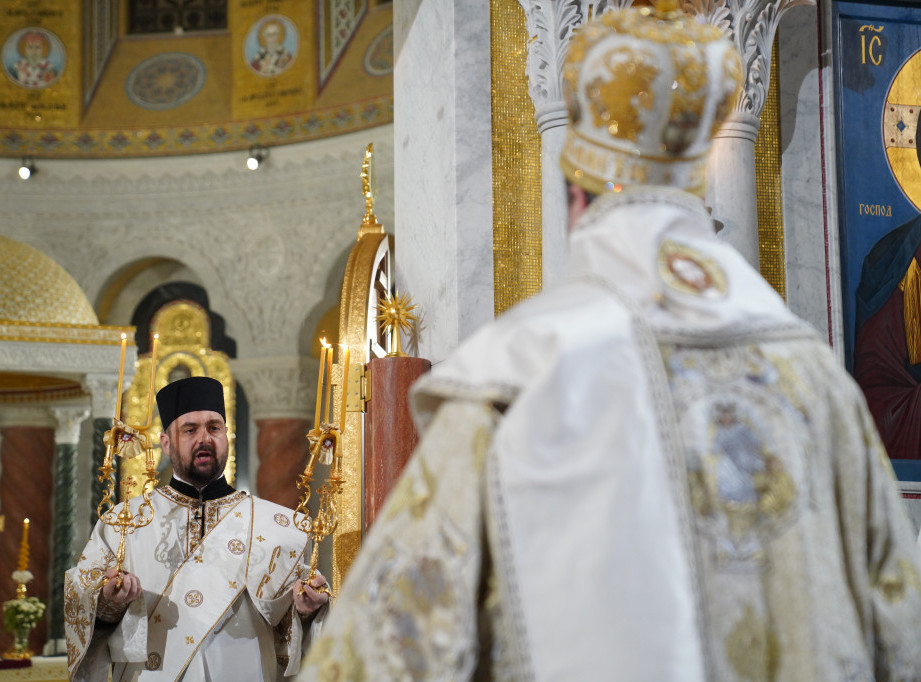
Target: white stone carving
(278, 387)
(61, 358)
(25, 415)
(752, 25)
(102, 390)
(549, 24)
(67, 423)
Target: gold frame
(368, 265)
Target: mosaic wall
(77, 83)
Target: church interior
(221, 187)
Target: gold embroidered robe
(653, 471)
(214, 606)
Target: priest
(653, 470)
(211, 588)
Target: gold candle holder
(127, 442)
(22, 575)
(324, 449)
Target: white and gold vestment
(216, 601)
(653, 471)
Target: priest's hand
(123, 592)
(309, 595)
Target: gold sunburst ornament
(395, 317)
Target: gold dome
(33, 288)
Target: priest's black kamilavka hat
(190, 395)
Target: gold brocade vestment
(653, 471)
(216, 601)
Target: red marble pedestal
(282, 448)
(390, 435)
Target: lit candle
(327, 411)
(344, 387)
(316, 413)
(150, 388)
(121, 377)
(24, 547)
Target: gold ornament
(126, 442)
(394, 317)
(324, 446)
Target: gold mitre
(646, 90)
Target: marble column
(732, 193)
(443, 167)
(806, 85)
(66, 435)
(103, 395)
(281, 393)
(551, 26)
(26, 457)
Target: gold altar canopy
(184, 350)
(40, 303)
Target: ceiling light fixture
(257, 156)
(27, 168)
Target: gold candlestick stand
(324, 447)
(127, 442)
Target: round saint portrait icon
(33, 58)
(270, 46)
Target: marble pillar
(281, 393)
(732, 195)
(443, 167)
(809, 215)
(26, 455)
(66, 435)
(554, 211)
(551, 26)
(103, 394)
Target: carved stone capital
(550, 24)
(67, 422)
(103, 393)
(751, 24)
(62, 358)
(278, 387)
